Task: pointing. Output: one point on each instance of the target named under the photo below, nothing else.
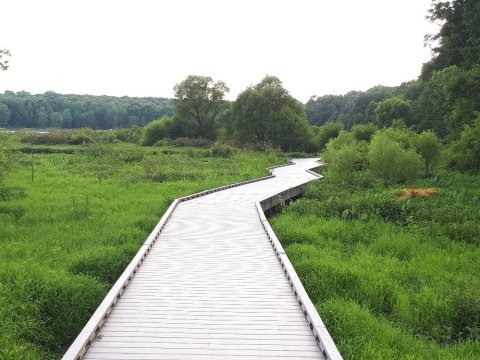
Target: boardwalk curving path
(212, 282)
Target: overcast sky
(145, 47)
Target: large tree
(266, 112)
(458, 41)
(200, 100)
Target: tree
(4, 55)
(4, 115)
(390, 161)
(267, 113)
(200, 100)
(466, 150)
(289, 130)
(388, 110)
(326, 132)
(428, 146)
(363, 131)
(458, 41)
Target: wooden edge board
(322, 336)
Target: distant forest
(52, 110)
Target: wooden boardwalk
(212, 282)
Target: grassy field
(67, 235)
(391, 278)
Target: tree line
(445, 97)
(52, 110)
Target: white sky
(145, 47)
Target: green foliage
(104, 264)
(199, 100)
(363, 131)
(344, 159)
(223, 150)
(465, 152)
(326, 132)
(429, 147)
(73, 238)
(458, 41)
(444, 103)
(51, 110)
(391, 161)
(391, 279)
(288, 129)
(7, 161)
(394, 108)
(266, 113)
(156, 130)
(81, 136)
(191, 142)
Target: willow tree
(199, 100)
(266, 112)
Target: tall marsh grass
(391, 279)
(79, 223)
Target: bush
(326, 132)
(7, 161)
(428, 146)
(465, 153)
(46, 150)
(344, 161)
(363, 132)
(52, 138)
(130, 135)
(190, 142)
(223, 150)
(391, 162)
(12, 192)
(156, 130)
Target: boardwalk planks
(212, 282)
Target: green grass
(66, 236)
(391, 279)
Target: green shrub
(130, 135)
(16, 211)
(54, 307)
(391, 162)
(428, 146)
(326, 132)
(342, 162)
(12, 192)
(465, 153)
(106, 265)
(46, 150)
(223, 150)
(191, 142)
(50, 138)
(363, 132)
(156, 130)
